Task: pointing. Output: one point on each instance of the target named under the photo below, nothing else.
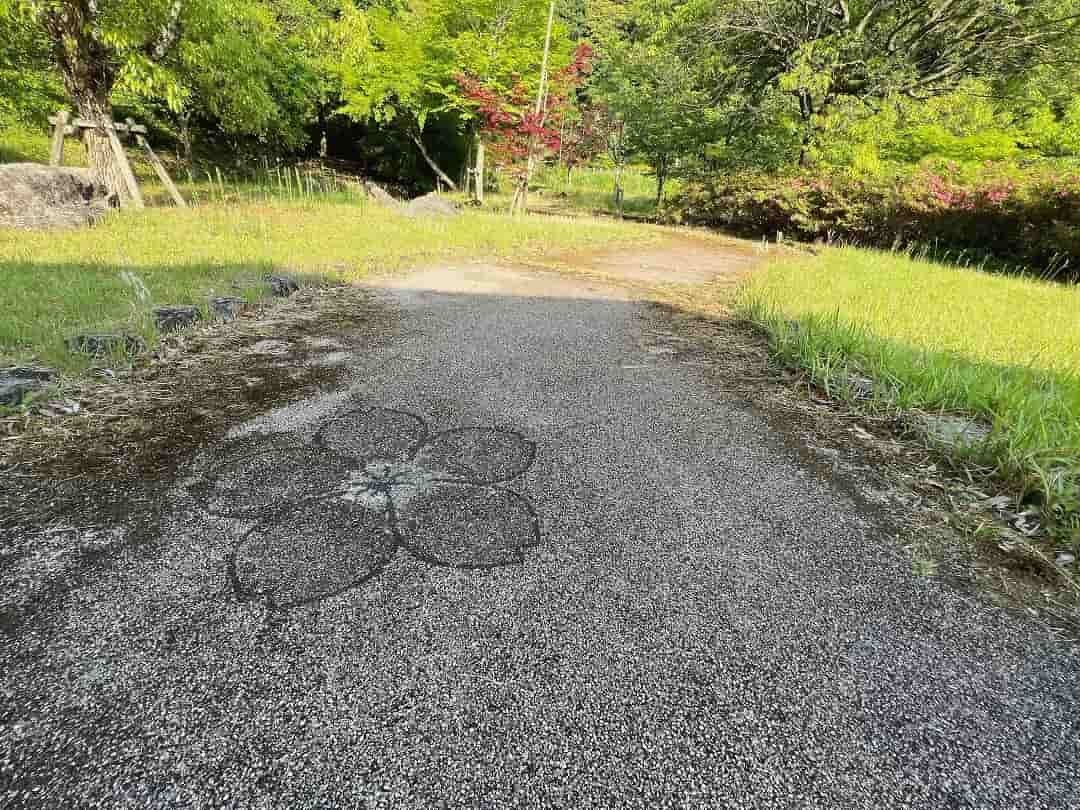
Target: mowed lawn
(935, 337)
(60, 283)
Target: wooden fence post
(56, 148)
(162, 174)
(159, 167)
(125, 167)
(479, 169)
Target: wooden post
(479, 170)
(56, 148)
(64, 125)
(162, 174)
(125, 167)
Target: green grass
(61, 283)
(22, 144)
(593, 189)
(940, 338)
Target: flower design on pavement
(329, 516)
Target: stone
(269, 346)
(18, 382)
(431, 205)
(104, 345)
(37, 196)
(381, 196)
(955, 431)
(226, 308)
(858, 386)
(1065, 559)
(283, 286)
(172, 319)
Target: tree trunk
(104, 162)
(90, 66)
(89, 74)
(661, 179)
(806, 112)
(430, 162)
(521, 196)
(186, 144)
(618, 190)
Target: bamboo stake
(521, 198)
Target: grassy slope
(935, 337)
(60, 283)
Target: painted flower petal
(315, 550)
(260, 481)
(467, 526)
(374, 433)
(477, 455)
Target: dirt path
(524, 553)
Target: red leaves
(508, 120)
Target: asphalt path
(530, 556)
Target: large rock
(382, 197)
(227, 308)
(431, 205)
(37, 196)
(16, 383)
(173, 319)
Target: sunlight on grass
(62, 282)
(999, 319)
(933, 337)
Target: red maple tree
(509, 124)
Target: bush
(1024, 215)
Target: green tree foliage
(652, 91)
(261, 69)
(29, 89)
(253, 68)
(407, 76)
(805, 62)
(870, 86)
(665, 115)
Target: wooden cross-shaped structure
(64, 125)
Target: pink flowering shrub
(1026, 216)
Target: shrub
(1029, 216)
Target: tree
(510, 122)
(258, 70)
(822, 52)
(646, 83)
(654, 93)
(29, 89)
(95, 43)
(409, 75)
(581, 135)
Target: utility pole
(521, 196)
